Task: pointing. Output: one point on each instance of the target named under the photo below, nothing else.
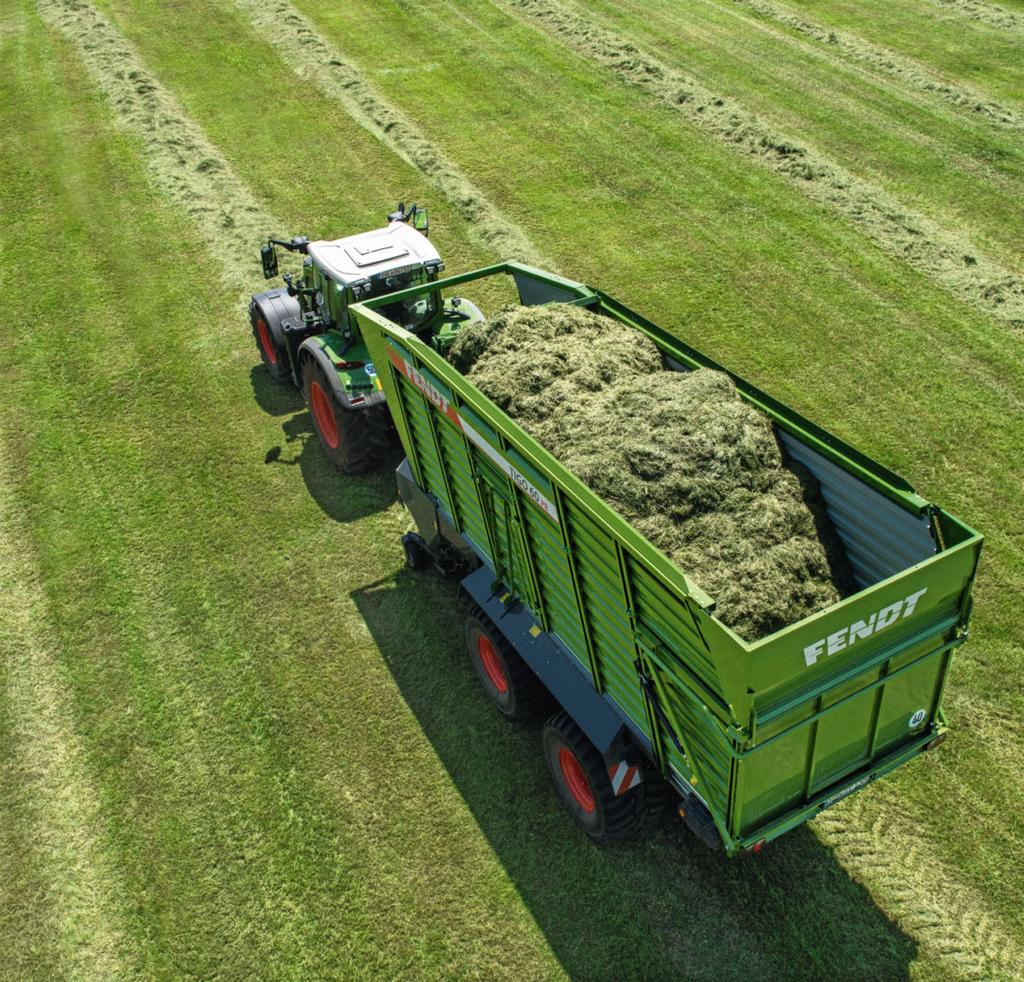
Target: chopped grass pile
(679, 455)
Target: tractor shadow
(661, 907)
(274, 398)
(341, 497)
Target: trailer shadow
(342, 498)
(661, 907)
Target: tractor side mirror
(268, 254)
(420, 222)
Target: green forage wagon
(653, 701)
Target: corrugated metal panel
(881, 539)
(559, 601)
(426, 453)
(606, 613)
(467, 513)
(668, 618)
(708, 759)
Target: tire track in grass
(314, 57)
(85, 893)
(985, 13)
(903, 69)
(184, 164)
(887, 856)
(950, 260)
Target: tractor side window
(412, 312)
(339, 305)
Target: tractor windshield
(413, 312)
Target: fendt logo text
(858, 630)
(426, 387)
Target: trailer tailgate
(839, 693)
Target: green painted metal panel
(767, 732)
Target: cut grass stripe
(194, 174)
(184, 164)
(871, 835)
(84, 898)
(905, 70)
(313, 56)
(950, 45)
(951, 261)
(985, 13)
(963, 174)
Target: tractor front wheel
(583, 784)
(355, 440)
(273, 353)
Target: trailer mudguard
(550, 664)
(315, 348)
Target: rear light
(347, 366)
(755, 849)
(932, 744)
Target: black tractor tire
(417, 555)
(509, 682)
(582, 781)
(265, 315)
(355, 440)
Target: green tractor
(306, 337)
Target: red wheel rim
(323, 413)
(492, 664)
(266, 342)
(575, 779)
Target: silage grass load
(680, 455)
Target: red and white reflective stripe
(624, 776)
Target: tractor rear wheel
(355, 440)
(583, 784)
(507, 679)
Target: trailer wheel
(507, 679)
(581, 777)
(660, 798)
(355, 440)
(417, 555)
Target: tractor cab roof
(371, 255)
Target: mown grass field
(237, 738)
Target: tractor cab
(339, 272)
(370, 264)
(305, 334)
